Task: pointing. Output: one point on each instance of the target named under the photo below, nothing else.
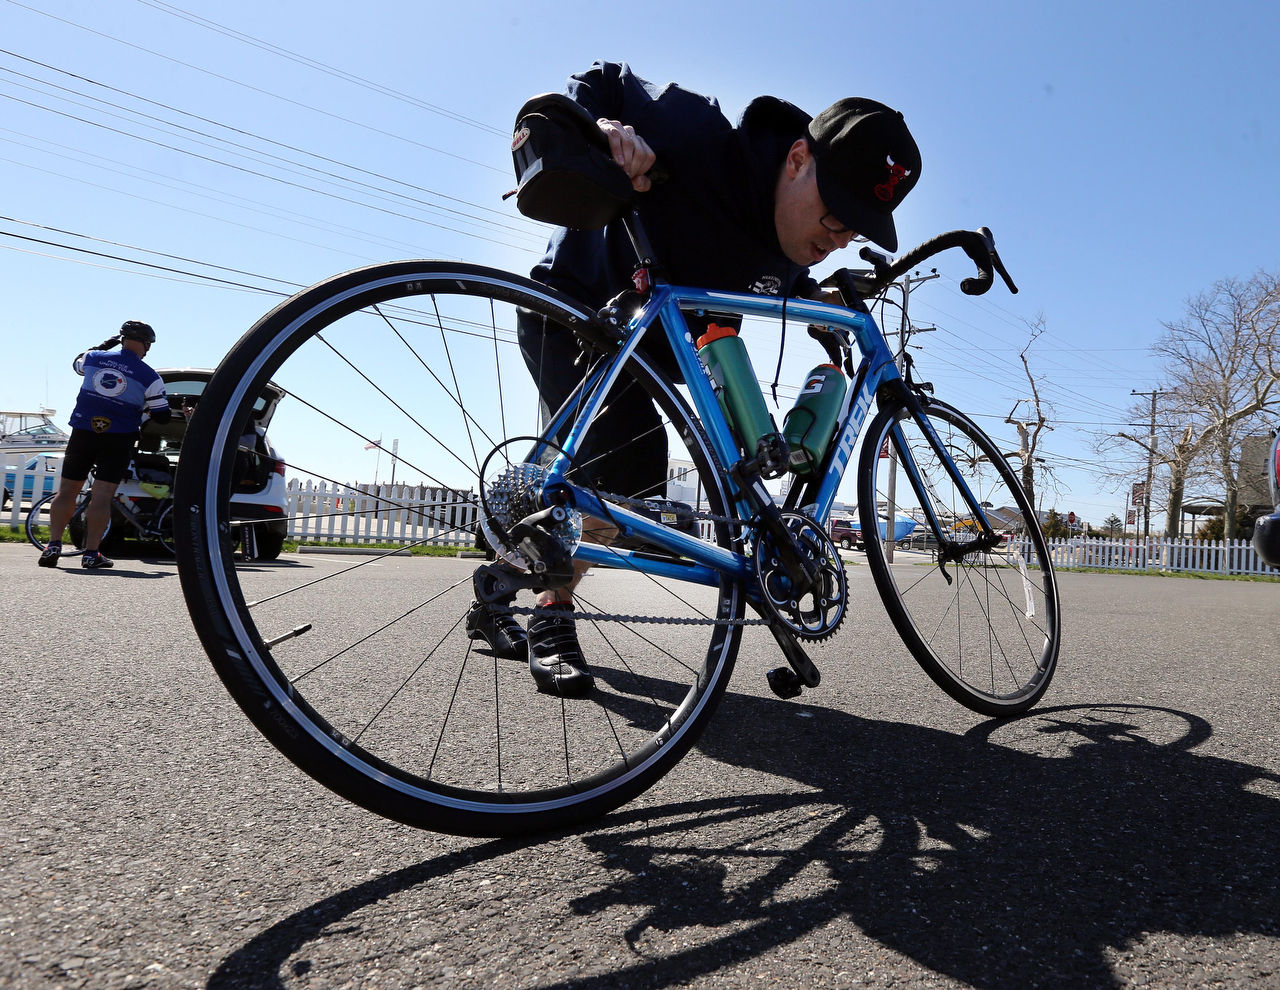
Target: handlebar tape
(978, 244)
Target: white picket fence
(351, 514)
(362, 514)
(1160, 554)
(15, 510)
(321, 512)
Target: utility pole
(891, 493)
(1151, 456)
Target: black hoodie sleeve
(612, 90)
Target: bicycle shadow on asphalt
(1021, 853)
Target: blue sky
(1125, 155)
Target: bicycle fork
(949, 550)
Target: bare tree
(1176, 444)
(1031, 423)
(1222, 362)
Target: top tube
(670, 301)
(665, 304)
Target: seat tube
(587, 413)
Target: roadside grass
(1192, 575)
(419, 550)
(1153, 572)
(17, 534)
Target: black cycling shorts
(107, 454)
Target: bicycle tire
(33, 523)
(164, 530)
(401, 713)
(75, 525)
(1001, 606)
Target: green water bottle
(727, 362)
(811, 423)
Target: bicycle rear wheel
(986, 627)
(76, 527)
(35, 523)
(164, 528)
(359, 669)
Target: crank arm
(805, 671)
(802, 574)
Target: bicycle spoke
(394, 695)
(959, 617)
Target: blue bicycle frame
(704, 562)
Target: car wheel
(270, 542)
(846, 543)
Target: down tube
(859, 399)
(908, 463)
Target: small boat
(25, 433)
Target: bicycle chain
(639, 503)
(638, 619)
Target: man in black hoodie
(746, 208)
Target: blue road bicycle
(360, 670)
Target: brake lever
(1002, 272)
(919, 388)
(996, 263)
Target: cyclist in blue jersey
(119, 389)
(746, 208)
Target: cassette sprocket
(513, 494)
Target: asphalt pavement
(871, 833)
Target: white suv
(260, 491)
(1266, 531)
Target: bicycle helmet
(133, 330)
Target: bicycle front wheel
(360, 668)
(985, 627)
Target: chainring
(817, 614)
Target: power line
(144, 264)
(134, 247)
(255, 89)
(240, 202)
(321, 66)
(250, 134)
(506, 335)
(257, 173)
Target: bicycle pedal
(797, 660)
(784, 682)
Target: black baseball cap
(867, 162)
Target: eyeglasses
(829, 222)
